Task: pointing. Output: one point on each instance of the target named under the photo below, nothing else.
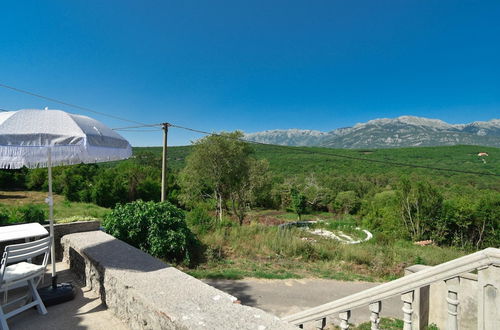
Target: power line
(137, 130)
(68, 104)
(339, 156)
(129, 129)
(141, 126)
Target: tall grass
(263, 248)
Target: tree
(488, 223)
(347, 202)
(298, 202)
(219, 167)
(421, 206)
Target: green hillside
(286, 161)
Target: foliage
(298, 202)
(64, 210)
(36, 179)
(199, 218)
(219, 167)
(13, 179)
(394, 202)
(4, 216)
(156, 228)
(74, 182)
(31, 213)
(420, 206)
(381, 212)
(385, 323)
(347, 202)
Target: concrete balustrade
(449, 284)
(375, 310)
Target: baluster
(321, 323)
(488, 302)
(344, 320)
(407, 299)
(375, 309)
(453, 285)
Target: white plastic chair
(15, 270)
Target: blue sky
(254, 65)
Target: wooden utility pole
(164, 163)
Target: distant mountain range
(404, 131)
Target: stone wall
(146, 293)
(60, 230)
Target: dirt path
(283, 297)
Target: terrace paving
(285, 297)
(86, 311)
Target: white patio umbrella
(45, 138)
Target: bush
(156, 228)
(4, 216)
(200, 218)
(31, 213)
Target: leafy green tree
(219, 167)
(318, 196)
(13, 179)
(109, 188)
(36, 179)
(488, 213)
(420, 206)
(347, 202)
(381, 213)
(298, 202)
(456, 224)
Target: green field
(64, 211)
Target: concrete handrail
(444, 271)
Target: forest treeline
(230, 178)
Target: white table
(24, 231)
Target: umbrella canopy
(26, 134)
(43, 138)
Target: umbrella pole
(54, 293)
(51, 219)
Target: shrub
(4, 216)
(199, 217)
(156, 228)
(31, 213)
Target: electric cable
(19, 90)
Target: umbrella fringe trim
(13, 157)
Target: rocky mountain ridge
(404, 131)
